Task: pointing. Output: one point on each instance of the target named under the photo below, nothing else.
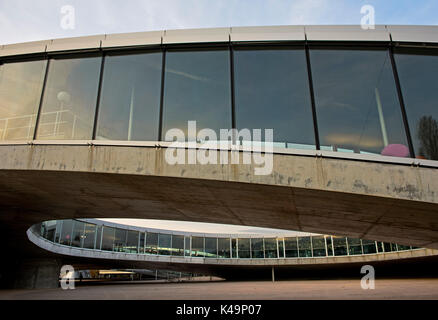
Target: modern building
(84, 130)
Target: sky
(30, 20)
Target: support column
(35, 274)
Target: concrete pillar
(36, 274)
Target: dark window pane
(108, 239)
(132, 242)
(340, 245)
(187, 246)
(356, 102)
(151, 243)
(244, 249)
(98, 237)
(20, 92)
(318, 244)
(177, 245)
(328, 241)
(354, 246)
(120, 240)
(369, 246)
(164, 244)
(66, 233)
(211, 247)
(142, 242)
(291, 247)
(198, 247)
(89, 236)
(48, 229)
(69, 99)
(130, 98)
(234, 248)
(223, 248)
(304, 247)
(257, 248)
(271, 248)
(197, 87)
(417, 73)
(280, 248)
(272, 92)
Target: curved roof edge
(381, 33)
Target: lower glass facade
(87, 235)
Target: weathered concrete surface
(366, 200)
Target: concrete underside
(375, 201)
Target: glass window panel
(164, 244)
(108, 239)
(177, 245)
(318, 244)
(234, 248)
(369, 246)
(356, 102)
(198, 247)
(120, 240)
(272, 92)
(257, 251)
(244, 249)
(142, 242)
(98, 237)
(130, 97)
(271, 248)
(354, 246)
(304, 246)
(187, 246)
(402, 247)
(291, 247)
(66, 232)
(328, 240)
(387, 247)
(280, 248)
(380, 247)
(20, 93)
(89, 236)
(223, 247)
(58, 230)
(340, 245)
(78, 234)
(211, 247)
(69, 100)
(417, 72)
(48, 230)
(132, 242)
(151, 243)
(197, 87)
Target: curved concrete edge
(143, 259)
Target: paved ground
(251, 290)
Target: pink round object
(395, 150)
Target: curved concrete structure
(330, 186)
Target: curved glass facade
(361, 99)
(87, 235)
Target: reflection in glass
(223, 247)
(354, 246)
(187, 246)
(272, 92)
(164, 244)
(417, 72)
(177, 245)
(66, 232)
(198, 247)
(257, 248)
(20, 93)
(244, 248)
(69, 100)
(291, 248)
(120, 240)
(89, 236)
(318, 245)
(130, 98)
(78, 232)
(271, 248)
(132, 242)
(197, 87)
(340, 245)
(356, 102)
(151, 243)
(304, 246)
(211, 247)
(108, 239)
